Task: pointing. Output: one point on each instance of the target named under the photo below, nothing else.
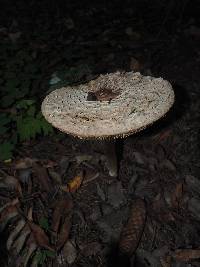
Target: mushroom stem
(111, 161)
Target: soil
(159, 165)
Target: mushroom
(111, 106)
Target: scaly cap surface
(122, 104)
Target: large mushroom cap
(113, 105)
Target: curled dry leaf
(186, 255)
(133, 229)
(26, 234)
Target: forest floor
(59, 205)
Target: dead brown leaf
(160, 210)
(40, 236)
(11, 182)
(186, 255)
(8, 212)
(14, 233)
(56, 177)
(64, 233)
(31, 246)
(8, 209)
(133, 229)
(158, 203)
(74, 184)
(90, 176)
(177, 195)
(166, 261)
(168, 164)
(64, 188)
(91, 249)
(69, 253)
(42, 177)
(61, 221)
(19, 242)
(62, 209)
(50, 164)
(24, 163)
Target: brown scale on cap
(102, 95)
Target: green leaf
(50, 254)
(31, 111)
(26, 128)
(25, 103)
(40, 257)
(6, 149)
(46, 127)
(29, 127)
